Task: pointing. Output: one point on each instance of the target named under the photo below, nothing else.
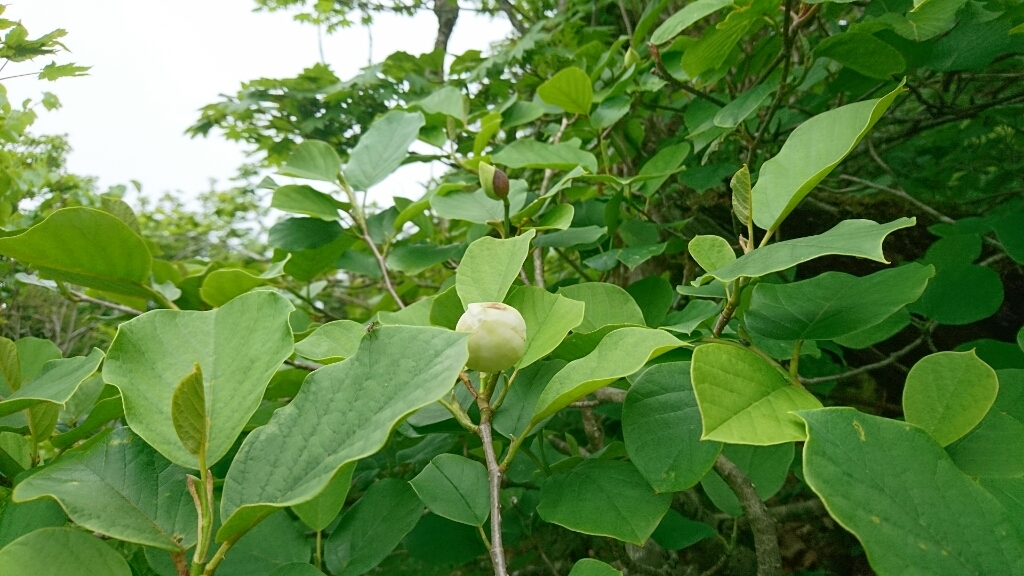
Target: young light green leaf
(382, 148)
(87, 247)
(662, 427)
(319, 512)
(56, 383)
(222, 285)
(604, 498)
(948, 393)
(745, 400)
(61, 552)
(740, 185)
(239, 347)
(591, 567)
(683, 19)
(120, 487)
(314, 160)
(304, 200)
(549, 317)
(570, 89)
(188, 413)
(371, 528)
(894, 488)
(605, 304)
(343, 412)
(332, 342)
(711, 252)
(860, 238)
(833, 304)
(528, 153)
(619, 354)
(490, 266)
(810, 153)
(455, 488)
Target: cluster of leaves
(711, 319)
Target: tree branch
(762, 524)
(510, 11)
(79, 297)
(891, 359)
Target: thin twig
(383, 268)
(79, 297)
(494, 483)
(892, 358)
(762, 524)
(303, 365)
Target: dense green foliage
(747, 276)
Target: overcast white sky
(155, 63)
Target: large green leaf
(489, 267)
(766, 466)
(948, 393)
(238, 346)
(315, 160)
(662, 428)
(605, 304)
(456, 488)
(570, 89)
(332, 342)
(745, 400)
(16, 520)
(619, 354)
(56, 383)
(860, 238)
(604, 498)
(810, 153)
(528, 153)
(890, 484)
(343, 412)
(304, 200)
(61, 552)
(371, 528)
(833, 304)
(86, 247)
(683, 19)
(382, 148)
(120, 487)
(992, 449)
(549, 317)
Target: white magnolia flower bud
(497, 336)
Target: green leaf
(513, 420)
(417, 257)
(448, 101)
(711, 252)
(570, 89)
(314, 160)
(295, 234)
(740, 185)
(619, 354)
(383, 148)
(860, 238)
(810, 153)
(342, 413)
(239, 347)
(476, 206)
(188, 414)
(56, 382)
(992, 449)
(744, 105)
(571, 237)
(766, 466)
(528, 153)
(295, 569)
(662, 427)
(277, 541)
(16, 519)
(559, 217)
(864, 53)
(691, 317)
(10, 366)
(319, 512)
(654, 295)
(455, 488)
(894, 488)
(61, 552)
(591, 567)
(489, 267)
(332, 342)
(745, 400)
(603, 498)
(605, 304)
(880, 332)
(677, 532)
(120, 487)
(661, 166)
(305, 200)
(222, 285)
(439, 541)
(833, 304)
(86, 247)
(961, 293)
(686, 17)
(371, 528)
(54, 71)
(549, 317)
(948, 393)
